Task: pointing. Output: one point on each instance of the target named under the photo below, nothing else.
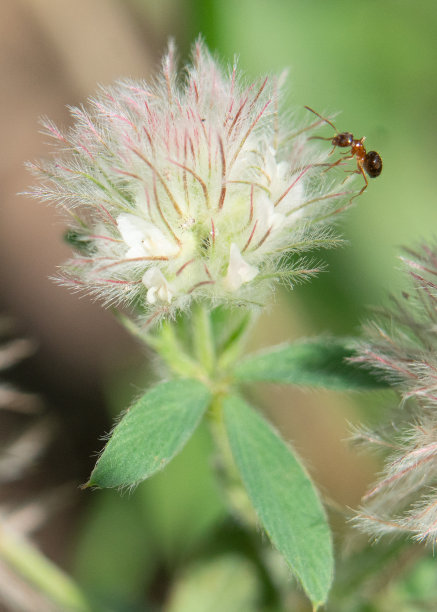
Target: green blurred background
(374, 63)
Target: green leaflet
(151, 433)
(283, 496)
(315, 363)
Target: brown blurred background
(53, 54)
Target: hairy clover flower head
(403, 345)
(189, 188)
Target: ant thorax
(358, 150)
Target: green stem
(234, 346)
(204, 345)
(166, 343)
(228, 473)
(40, 572)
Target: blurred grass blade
(283, 496)
(313, 363)
(151, 433)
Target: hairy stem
(229, 478)
(204, 344)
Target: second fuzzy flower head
(188, 189)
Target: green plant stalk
(204, 345)
(204, 365)
(40, 572)
(234, 347)
(167, 345)
(227, 470)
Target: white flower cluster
(189, 188)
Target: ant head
(344, 139)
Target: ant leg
(360, 170)
(365, 179)
(339, 161)
(323, 138)
(319, 138)
(350, 172)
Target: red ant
(370, 162)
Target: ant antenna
(322, 118)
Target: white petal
(293, 199)
(155, 243)
(158, 286)
(134, 252)
(164, 293)
(131, 228)
(239, 271)
(266, 214)
(144, 238)
(151, 295)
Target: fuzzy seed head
(403, 345)
(189, 188)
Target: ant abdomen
(373, 164)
